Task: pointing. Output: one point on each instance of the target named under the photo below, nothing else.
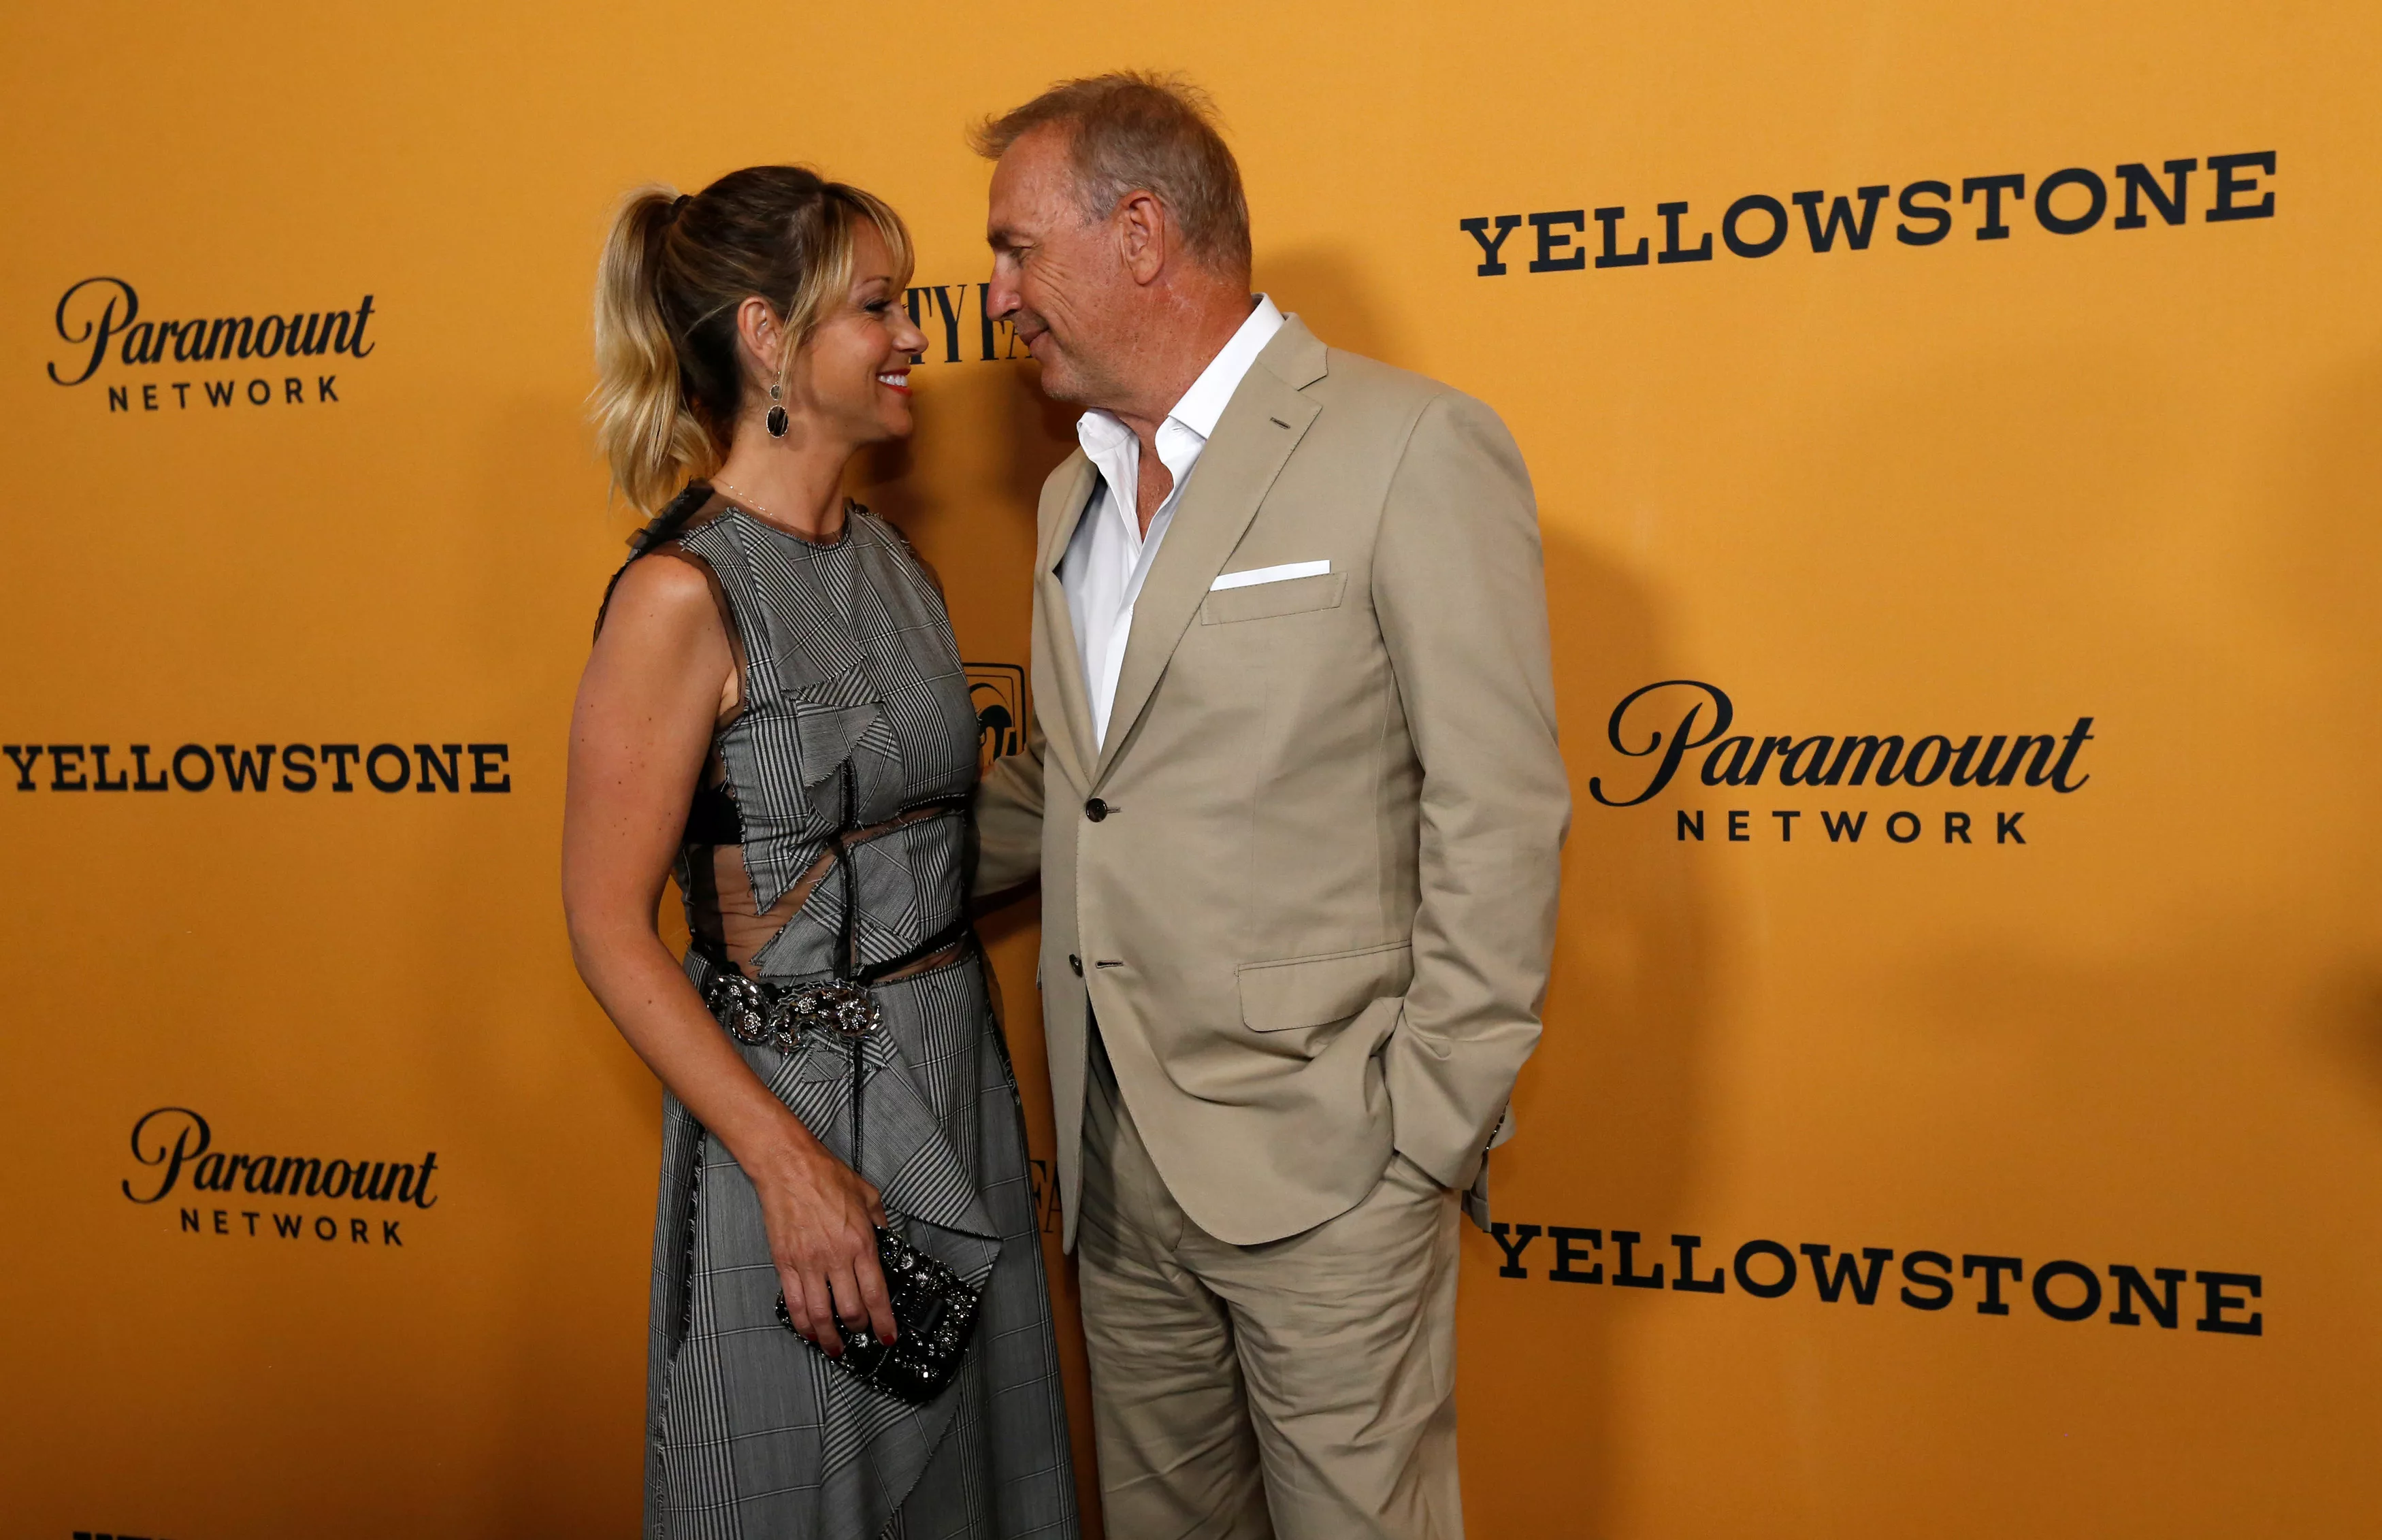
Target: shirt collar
(1204, 403)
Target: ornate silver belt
(769, 1015)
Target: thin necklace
(742, 497)
(767, 516)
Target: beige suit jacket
(1308, 886)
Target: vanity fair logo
(297, 1198)
(1681, 729)
(958, 326)
(205, 362)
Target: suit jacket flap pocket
(1309, 991)
(1260, 601)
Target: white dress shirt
(1109, 556)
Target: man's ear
(1143, 234)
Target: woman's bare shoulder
(663, 593)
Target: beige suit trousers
(1303, 1389)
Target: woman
(775, 712)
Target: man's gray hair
(1132, 131)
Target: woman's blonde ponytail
(644, 422)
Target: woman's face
(854, 375)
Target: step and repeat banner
(1958, 432)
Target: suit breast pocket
(1264, 601)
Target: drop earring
(775, 421)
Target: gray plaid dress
(847, 658)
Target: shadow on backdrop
(1323, 285)
(1609, 1107)
(570, 1275)
(2327, 557)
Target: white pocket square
(1256, 575)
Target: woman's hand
(820, 1215)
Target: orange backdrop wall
(1976, 1132)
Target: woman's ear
(760, 336)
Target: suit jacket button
(1096, 810)
(1077, 963)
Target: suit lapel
(1260, 426)
(1058, 520)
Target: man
(1294, 795)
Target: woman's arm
(639, 733)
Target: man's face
(1061, 278)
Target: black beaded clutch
(936, 1310)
